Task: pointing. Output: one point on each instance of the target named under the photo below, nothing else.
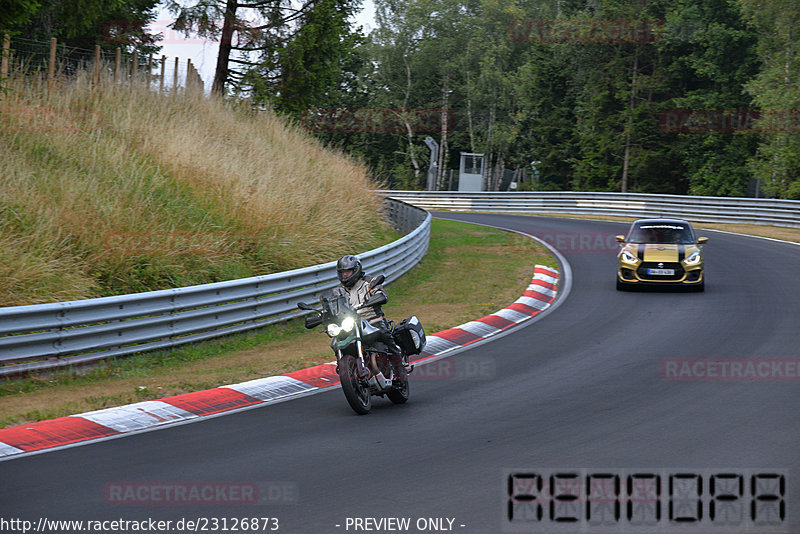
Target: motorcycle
(364, 369)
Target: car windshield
(666, 233)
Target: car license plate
(661, 272)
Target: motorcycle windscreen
(337, 306)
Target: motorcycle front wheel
(356, 391)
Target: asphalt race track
(586, 387)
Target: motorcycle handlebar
(307, 307)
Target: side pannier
(410, 335)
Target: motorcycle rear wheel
(356, 391)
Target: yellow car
(660, 252)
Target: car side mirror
(620, 238)
(702, 240)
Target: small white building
(470, 172)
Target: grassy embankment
(469, 271)
(123, 190)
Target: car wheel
(621, 286)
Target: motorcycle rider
(358, 287)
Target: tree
(280, 48)
(86, 23)
(307, 69)
(547, 99)
(263, 24)
(775, 90)
(711, 54)
(406, 78)
(588, 111)
(620, 146)
(17, 13)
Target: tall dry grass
(121, 189)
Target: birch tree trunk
(443, 152)
(407, 123)
(487, 173)
(629, 126)
(469, 117)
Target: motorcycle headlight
(334, 329)
(627, 257)
(348, 324)
(693, 259)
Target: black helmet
(348, 269)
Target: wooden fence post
(96, 73)
(51, 67)
(161, 81)
(6, 52)
(175, 78)
(117, 64)
(188, 82)
(149, 69)
(196, 81)
(134, 65)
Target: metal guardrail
(44, 336)
(695, 208)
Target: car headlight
(627, 257)
(334, 329)
(693, 259)
(348, 324)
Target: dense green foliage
(84, 23)
(777, 88)
(288, 53)
(611, 95)
(15, 13)
(589, 110)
